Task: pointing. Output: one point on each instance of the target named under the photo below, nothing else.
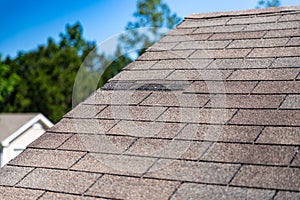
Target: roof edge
(244, 12)
(38, 117)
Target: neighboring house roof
(14, 124)
(209, 112)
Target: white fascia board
(39, 117)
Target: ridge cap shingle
(243, 12)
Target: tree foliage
(48, 74)
(42, 80)
(153, 14)
(268, 3)
(8, 81)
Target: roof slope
(11, 122)
(211, 111)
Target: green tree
(8, 81)
(268, 3)
(48, 74)
(154, 14)
(157, 18)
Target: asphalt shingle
(280, 135)
(50, 140)
(245, 101)
(132, 188)
(207, 192)
(220, 133)
(268, 177)
(193, 171)
(59, 180)
(146, 129)
(11, 175)
(211, 111)
(249, 153)
(267, 117)
(47, 158)
(10, 193)
(291, 102)
(114, 164)
(97, 143)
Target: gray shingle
(272, 26)
(238, 35)
(283, 33)
(290, 17)
(193, 171)
(197, 115)
(291, 102)
(220, 133)
(246, 63)
(274, 52)
(249, 153)
(146, 129)
(162, 46)
(228, 53)
(98, 143)
(182, 64)
(52, 195)
(220, 29)
(207, 192)
(140, 65)
(82, 126)
(114, 164)
(10, 193)
(168, 148)
(50, 140)
(254, 20)
(280, 135)
(287, 195)
(142, 75)
(296, 161)
(47, 158)
(277, 87)
(166, 55)
(254, 43)
(228, 87)
(84, 111)
(295, 41)
(245, 101)
(132, 188)
(197, 75)
(11, 175)
(176, 99)
(183, 38)
(267, 117)
(265, 74)
(286, 62)
(131, 112)
(203, 23)
(59, 180)
(116, 97)
(268, 177)
(181, 31)
(203, 45)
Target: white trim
(38, 117)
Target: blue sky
(26, 24)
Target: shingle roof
(211, 111)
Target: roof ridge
(244, 12)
